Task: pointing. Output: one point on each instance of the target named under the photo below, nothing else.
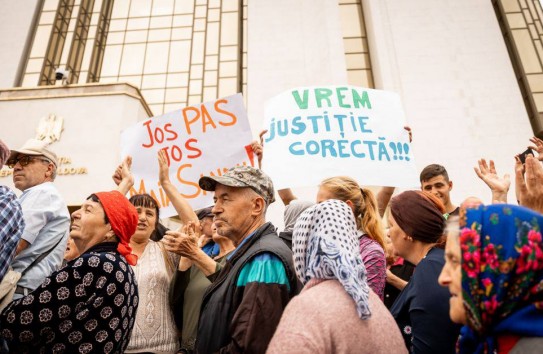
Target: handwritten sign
(206, 139)
(320, 132)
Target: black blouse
(88, 306)
(422, 309)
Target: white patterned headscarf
(325, 246)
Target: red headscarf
(123, 218)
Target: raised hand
(123, 177)
(530, 184)
(258, 148)
(537, 146)
(487, 172)
(163, 167)
(410, 132)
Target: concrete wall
(447, 60)
(291, 44)
(15, 30)
(91, 136)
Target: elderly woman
(421, 310)
(494, 273)
(371, 233)
(88, 306)
(336, 311)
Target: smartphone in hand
(522, 155)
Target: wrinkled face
(147, 220)
(71, 250)
(439, 187)
(88, 226)
(398, 237)
(233, 212)
(451, 277)
(29, 175)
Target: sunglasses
(25, 160)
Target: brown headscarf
(123, 218)
(419, 215)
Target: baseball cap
(204, 213)
(34, 147)
(242, 176)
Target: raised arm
(530, 185)
(499, 186)
(383, 198)
(183, 208)
(123, 177)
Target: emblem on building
(50, 128)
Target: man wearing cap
(205, 216)
(243, 306)
(45, 214)
(11, 219)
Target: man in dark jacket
(243, 306)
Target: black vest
(221, 299)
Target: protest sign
(320, 132)
(206, 139)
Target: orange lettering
(187, 183)
(206, 119)
(190, 121)
(218, 109)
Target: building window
(355, 40)
(522, 28)
(79, 40)
(177, 52)
(56, 42)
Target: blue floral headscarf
(502, 275)
(325, 246)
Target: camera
(62, 74)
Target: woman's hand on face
(163, 167)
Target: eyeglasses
(25, 160)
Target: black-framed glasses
(25, 160)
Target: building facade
(470, 73)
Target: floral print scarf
(325, 246)
(502, 275)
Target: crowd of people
(352, 272)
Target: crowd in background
(352, 272)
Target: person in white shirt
(45, 213)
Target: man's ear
(259, 205)
(450, 185)
(49, 171)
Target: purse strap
(41, 257)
